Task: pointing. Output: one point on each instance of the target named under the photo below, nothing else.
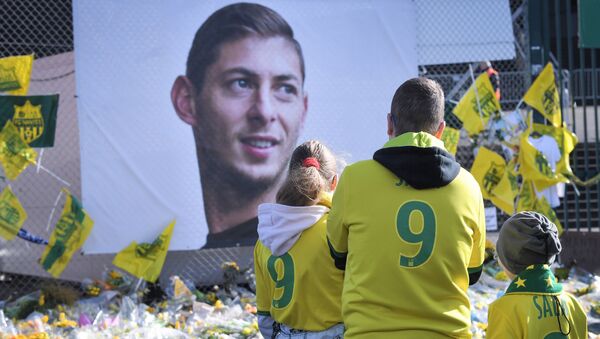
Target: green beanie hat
(527, 238)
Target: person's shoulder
(505, 303)
(573, 299)
(362, 165)
(466, 179)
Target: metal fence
(46, 29)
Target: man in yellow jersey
(409, 226)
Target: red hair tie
(311, 162)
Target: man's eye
(288, 89)
(241, 83)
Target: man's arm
(337, 230)
(478, 251)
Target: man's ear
(440, 130)
(334, 183)
(305, 103)
(182, 97)
(390, 126)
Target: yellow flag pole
(476, 94)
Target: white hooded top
(280, 226)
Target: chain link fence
(514, 80)
(45, 28)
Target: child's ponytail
(312, 170)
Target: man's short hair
(231, 23)
(418, 106)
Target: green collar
(535, 279)
(421, 139)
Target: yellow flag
(15, 154)
(15, 73)
(503, 195)
(566, 141)
(469, 106)
(527, 197)
(543, 96)
(542, 206)
(488, 170)
(146, 260)
(12, 214)
(534, 165)
(69, 234)
(450, 137)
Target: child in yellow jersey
(298, 286)
(535, 305)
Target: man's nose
(263, 110)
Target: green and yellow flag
(34, 116)
(542, 206)
(69, 234)
(468, 108)
(15, 73)
(504, 194)
(527, 197)
(535, 166)
(488, 170)
(566, 141)
(544, 97)
(12, 214)
(450, 137)
(146, 260)
(15, 154)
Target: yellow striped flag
(15, 154)
(544, 97)
(146, 260)
(15, 73)
(450, 137)
(12, 214)
(475, 108)
(69, 234)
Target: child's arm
(263, 299)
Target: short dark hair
(418, 106)
(231, 23)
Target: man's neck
(227, 205)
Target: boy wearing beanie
(535, 305)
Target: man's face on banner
(251, 108)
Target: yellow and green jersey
(301, 288)
(411, 226)
(535, 306)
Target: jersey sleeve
(263, 299)
(337, 229)
(478, 251)
(578, 317)
(499, 325)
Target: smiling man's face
(251, 108)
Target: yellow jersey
(530, 309)
(411, 226)
(301, 288)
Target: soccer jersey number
(283, 279)
(425, 239)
